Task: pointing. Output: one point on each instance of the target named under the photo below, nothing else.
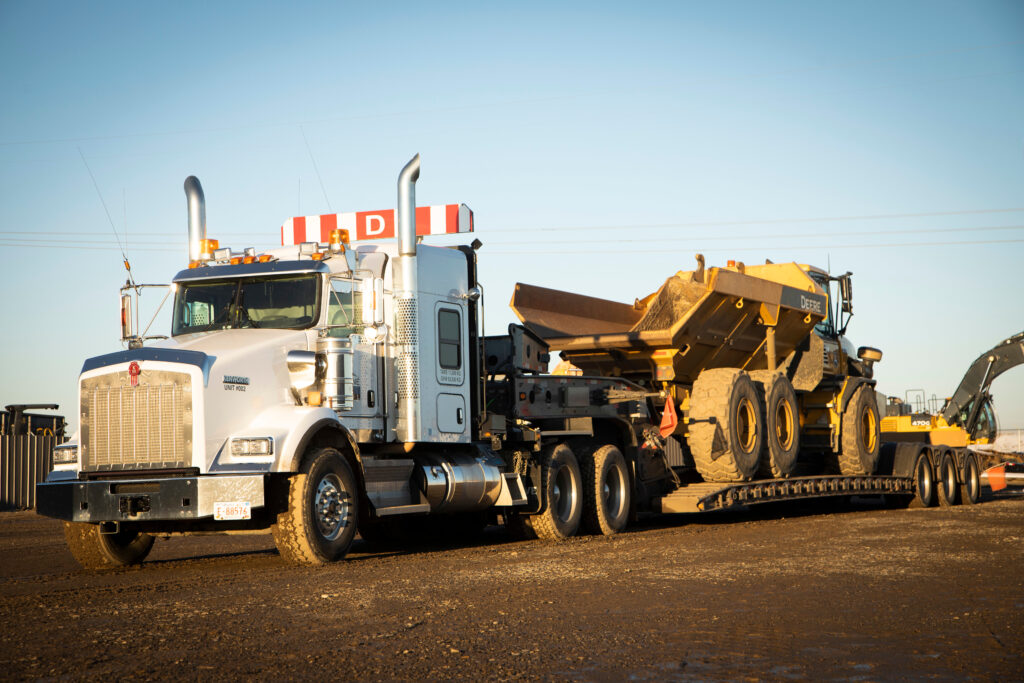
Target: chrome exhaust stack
(409, 423)
(196, 216)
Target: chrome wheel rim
(331, 507)
(563, 494)
(924, 480)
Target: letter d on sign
(374, 225)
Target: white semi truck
(324, 387)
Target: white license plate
(225, 511)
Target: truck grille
(148, 426)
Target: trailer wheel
(782, 429)
(323, 506)
(94, 550)
(861, 435)
(562, 486)
(970, 491)
(726, 425)
(949, 483)
(924, 481)
(606, 487)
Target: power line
(805, 247)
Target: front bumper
(143, 500)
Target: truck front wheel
(94, 550)
(323, 505)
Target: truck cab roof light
(207, 248)
(235, 260)
(222, 254)
(317, 256)
(249, 251)
(264, 258)
(249, 258)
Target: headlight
(65, 454)
(257, 446)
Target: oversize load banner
(376, 225)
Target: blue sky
(600, 145)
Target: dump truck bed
(714, 318)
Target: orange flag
(997, 477)
(669, 419)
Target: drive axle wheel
(606, 489)
(323, 506)
(949, 484)
(562, 488)
(782, 433)
(94, 550)
(924, 481)
(861, 436)
(726, 425)
(970, 492)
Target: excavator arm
(965, 407)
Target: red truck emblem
(133, 373)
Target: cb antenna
(127, 266)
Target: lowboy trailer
(328, 386)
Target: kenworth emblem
(133, 373)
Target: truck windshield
(281, 302)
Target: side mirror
(126, 317)
(869, 354)
(846, 290)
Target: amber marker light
(317, 256)
(194, 264)
(235, 260)
(265, 257)
(248, 259)
(315, 398)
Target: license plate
(227, 511)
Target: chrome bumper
(141, 500)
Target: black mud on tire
(606, 491)
(970, 491)
(319, 523)
(94, 550)
(562, 485)
(726, 425)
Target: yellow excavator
(947, 471)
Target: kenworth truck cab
(293, 387)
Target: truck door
(353, 382)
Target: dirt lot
(796, 592)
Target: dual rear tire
(726, 428)
(591, 492)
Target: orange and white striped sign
(376, 225)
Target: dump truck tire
(93, 550)
(782, 429)
(562, 486)
(948, 482)
(319, 523)
(726, 425)
(606, 491)
(861, 435)
(970, 492)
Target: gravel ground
(793, 592)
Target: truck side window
(449, 339)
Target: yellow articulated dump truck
(749, 366)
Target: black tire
(924, 482)
(726, 428)
(782, 430)
(970, 491)
(861, 434)
(948, 488)
(94, 550)
(562, 487)
(323, 505)
(606, 491)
